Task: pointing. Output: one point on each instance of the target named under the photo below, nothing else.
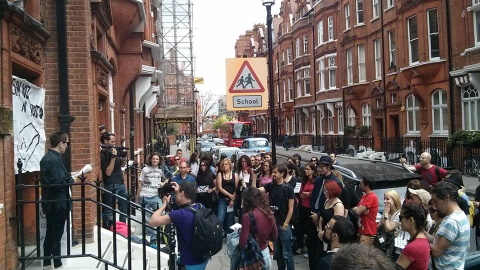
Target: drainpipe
(384, 76)
(314, 84)
(64, 118)
(450, 60)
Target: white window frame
(306, 81)
(321, 74)
(290, 89)
(332, 70)
(305, 44)
(378, 60)
(432, 34)
(276, 65)
(298, 77)
(362, 71)
(476, 27)
(414, 110)
(284, 90)
(341, 124)
(278, 93)
(392, 48)
(330, 29)
(375, 9)
(349, 66)
(351, 117)
(297, 48)
(410, 41)
(390, 3)
(289, 56)
(283, 58)
(367, 115)
(320, 32)
(360, 13)
(470, 109)
(439, 110)
(287, 126)
(330, 123)
(347, 16)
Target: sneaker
(305, 255)
(165, 249)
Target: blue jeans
(282, 249)
(151, 203)
(201, 266)
(110, 200)
(226, 219)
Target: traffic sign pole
(273, 129)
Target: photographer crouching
(112, 160)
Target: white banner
(28, 124)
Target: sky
(217, 24)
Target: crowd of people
(307, 209)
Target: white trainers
(305, 255)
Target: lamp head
(268, 3)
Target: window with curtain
(366, 115)
(362, 72)
(350, 117)
(412, 40)
(433, 36)
(439, 112)
(413, 115)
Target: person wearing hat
(421, 197)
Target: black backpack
(383, 240)
(207, 237)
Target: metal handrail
(23, 258)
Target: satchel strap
(254, 225)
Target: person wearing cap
(430, 173)
(421, 197)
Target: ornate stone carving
(25, 46)
(102, 78)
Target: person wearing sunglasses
(52, 171)
(416, 254)
(339, 231)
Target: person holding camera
(111, 164)
(151, 179)
(183, 219)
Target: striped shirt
(456, 229)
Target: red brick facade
(378, 64)
(110, 45)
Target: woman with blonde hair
(391, 217)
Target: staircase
(121, 259)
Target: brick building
(110, 77)
(380, 67)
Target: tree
(222, 119)
(207, 102)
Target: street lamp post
(273, 131)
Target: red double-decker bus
(233, 132)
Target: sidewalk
(470, 182)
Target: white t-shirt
(151, 180)
(194, 168)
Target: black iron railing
(99, 190)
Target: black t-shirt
(117, 175)
(279, 196)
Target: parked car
(473, 260)
(214, 148)
(256, 145)
(228, 151)
(387, 176)
(204, 147)
(218, 141)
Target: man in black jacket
(53, 172)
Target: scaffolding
(174, 34)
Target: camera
(121, 151)
(166, 190)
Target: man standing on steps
(183, 219)
(112, 176)
(52, 171)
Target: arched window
(439, 112)
(413, 115)
(351, 117)
(366, 115)
(470, 108)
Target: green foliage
(220, 120)
(465, 138)
(364, 131)
(349, 131)
(173, 129)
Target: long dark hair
(249, 164)
(149, 160)
(254, 199)
(193, 157)
(207, 174)
(418, 213)
(312, 166)
(262, 171)
(292, 169)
